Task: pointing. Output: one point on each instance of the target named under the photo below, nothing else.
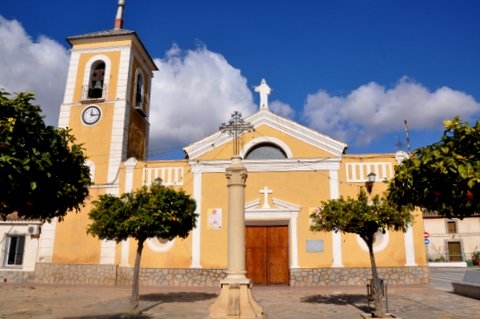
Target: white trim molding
(282, 213)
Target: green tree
(365, 217)
(42, 171)
(443, 177)
(155, 211)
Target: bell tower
(106, 102)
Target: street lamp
(158, 181)
(369, 183)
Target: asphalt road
(441, 278)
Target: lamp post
(369, 183)
(158, 181)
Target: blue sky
(353, 70)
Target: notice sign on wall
(214, 218)
(314, 246)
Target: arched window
(139, 90)
(266, 151)
(95, 85)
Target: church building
(291, 169)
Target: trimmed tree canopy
(154, 211)
(42, 171)
(365, 218)
(445, 176)
(360, 216)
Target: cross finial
(264, 90)
(235, 127)
(119, 16)
(265, 191)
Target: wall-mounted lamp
(369, 183)
(158, 181)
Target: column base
(236, 301)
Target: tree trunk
(136, 277)
(377, 288)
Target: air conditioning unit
(34, 230)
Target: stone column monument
(236, 299)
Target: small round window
(160, 245)
(380, 242)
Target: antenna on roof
(119, 16)
(407, 138)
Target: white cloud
(281, 109)
(193, 92)
(38, 65)
(373, 110)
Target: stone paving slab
(72, 302)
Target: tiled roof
(15, 218)
(105, 33)
(110, 33)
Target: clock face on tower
(91, 115)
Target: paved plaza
(51, 301)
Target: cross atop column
(235, 127)
(265, 191)
(264, 90)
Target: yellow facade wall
(419, 242)
(179, 254)
(72, 244)
(94, 139)
(298, 148)
(306, 188)
(214, 242)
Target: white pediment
(286, 126)
(278, 206)
(282, 213)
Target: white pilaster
(337, 260)
(294, 241)
(125, 253)
(107, 254)
(409, 248)
(118, 144)
(47, 239)
(197, 196)
(129, 173)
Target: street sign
(427, 241)
(426, 234)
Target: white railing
(170, 176)
(357, 172)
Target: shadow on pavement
(177, 297)
(149, 301)
(114, 316)
(156, 299)
(358, 301)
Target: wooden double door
(455, 251)
(267, 255)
